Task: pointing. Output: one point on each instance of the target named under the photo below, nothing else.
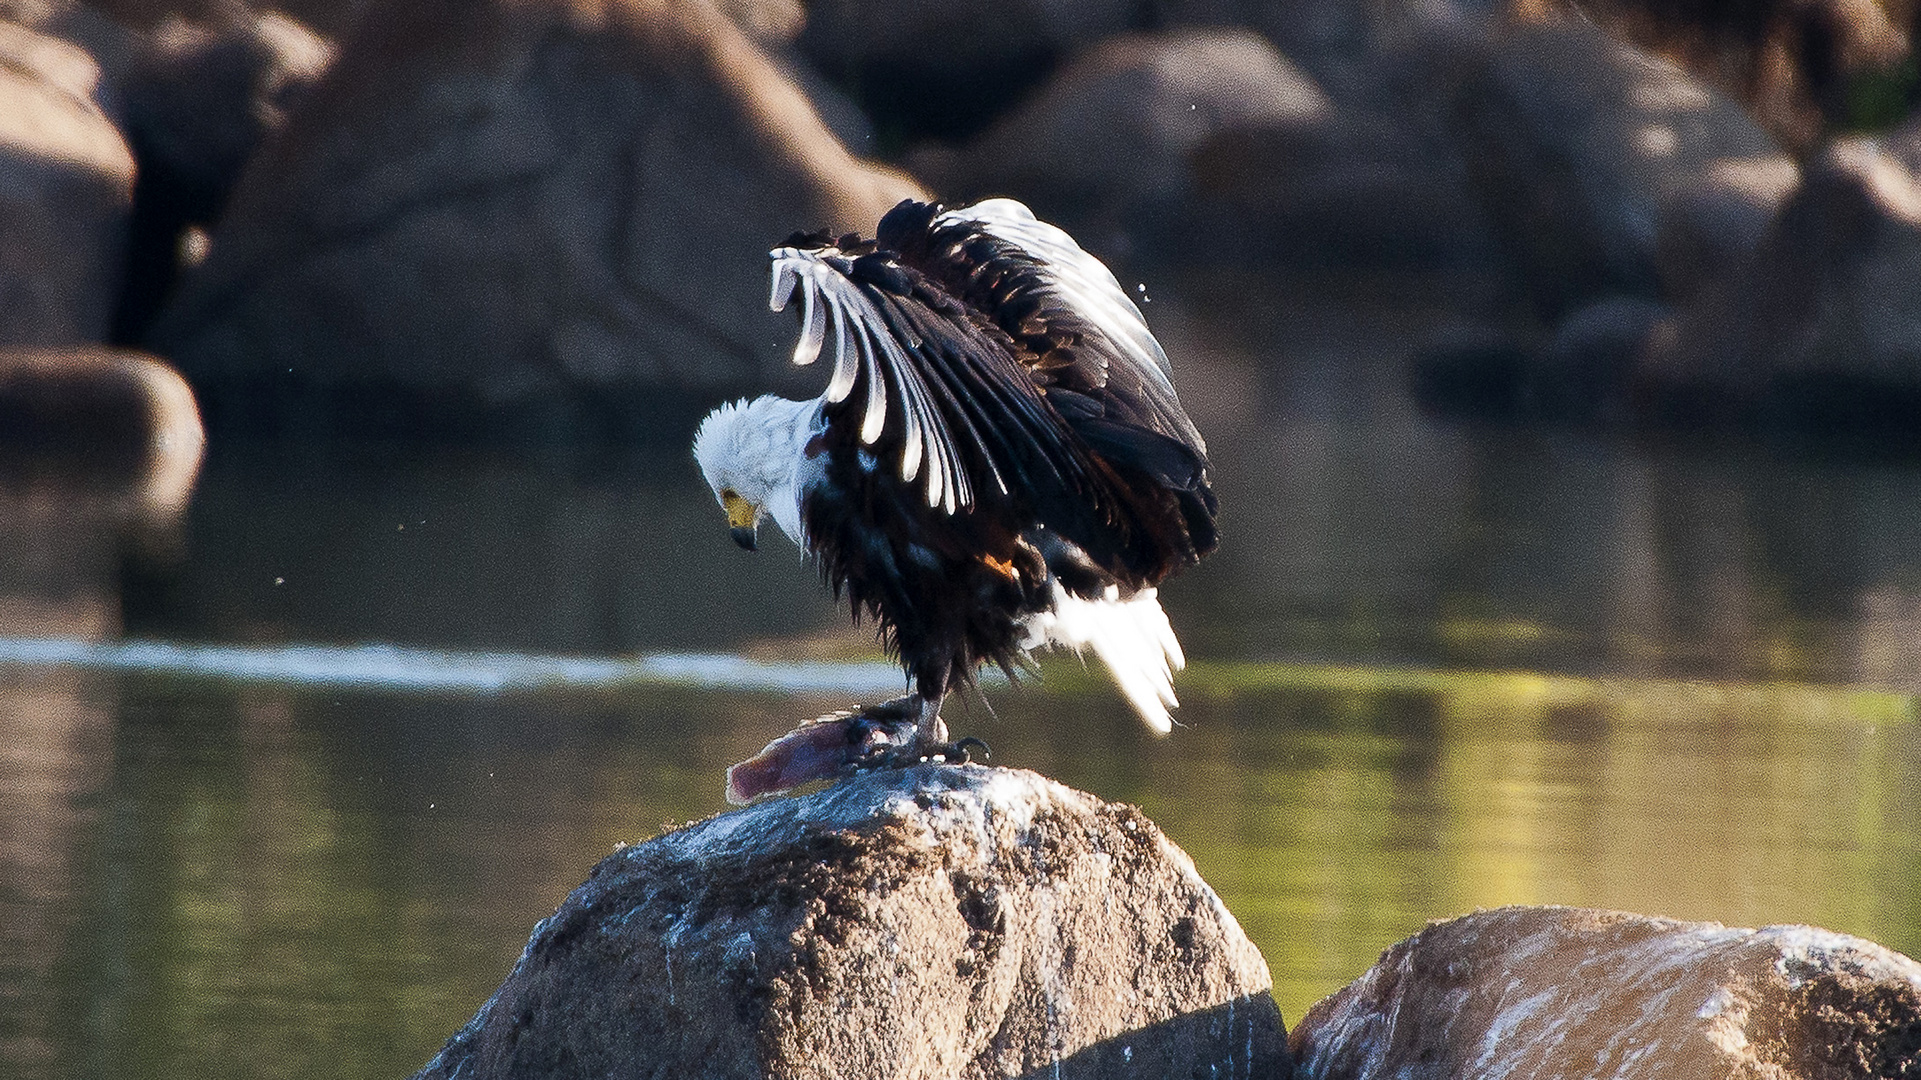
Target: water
(1435, 667)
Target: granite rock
(517, 215)
(1551, 992)
(1820, 324)
(941, 921)
(66, 183)
(106, 419)
(1593, 158)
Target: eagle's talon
(898, 756)
(987, 754)
(961, 751)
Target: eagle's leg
(930, 737)
(930, 731)
(895, 733)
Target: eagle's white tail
(1133, 639)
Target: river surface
(285, 784)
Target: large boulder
(1115, 127)
(1549, 993)
(945, 67)
(1797, 65)
(938, 922)
(108, 420)
(1605, 170)
(1340, 42)
(1821, 326)
(66, 182)
(1376, 180)
(330, 17)
(1206, 144)
(525, 212)
(198, 100)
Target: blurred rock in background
(1800, 66)
(66, 185)
(1586, 153)
(946, 68)
(199, 98)
(1117, 123)
(548, 219)
(1820, 326)
(119, 425)
(329, 18)
(528, 217)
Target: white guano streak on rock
(1808, 948)
(1489, 1063)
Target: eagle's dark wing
(1047, 287)
(1011, 374)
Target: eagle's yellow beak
(742, 517)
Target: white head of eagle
(999, 460)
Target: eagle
(999, 462)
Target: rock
(1479, 372)
(1360, 170)
(1586, 152)
(200, 99)
(1457, 139)
(1206, 145)
(1338, 41)
(944, 68)
(1821, 325)
(32, 13)
(1795, 63)
(118, 420)
(330, 18)
(1709, 224)
(1378, 182)
(766, 21)
(107, 42)
(1588, 371)
(66, 180)
(770, 22)
(1903, 143)
(1116, 125)
(544, 215)
(944, 921)
(840, 112)
(1569, 992)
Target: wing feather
(874, 418)
(1083, 280)
(1075, 283)
(868, 351)
(847, 361)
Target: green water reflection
(271, 884)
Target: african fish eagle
(999, 462)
